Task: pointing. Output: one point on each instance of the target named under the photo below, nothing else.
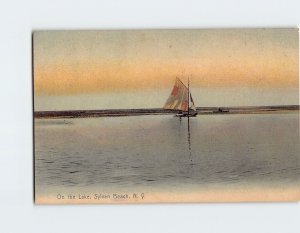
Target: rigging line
(182, 83)
(188, 96)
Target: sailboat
(181, 99)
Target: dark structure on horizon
(161, 111)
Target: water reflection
(189, 141)
(157, 151)
(188, 138)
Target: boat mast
(188, 95)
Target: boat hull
(183, 114)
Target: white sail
(193, 107)
(178, 99)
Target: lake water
(167, 153)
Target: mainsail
(179, 97)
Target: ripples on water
(159, 151)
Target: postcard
(166, 116)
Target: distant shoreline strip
(160, 111)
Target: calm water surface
(165, 152)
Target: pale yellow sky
(91, 62)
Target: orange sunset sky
(70, 63)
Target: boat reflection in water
(181, 99)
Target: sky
(120, 67)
